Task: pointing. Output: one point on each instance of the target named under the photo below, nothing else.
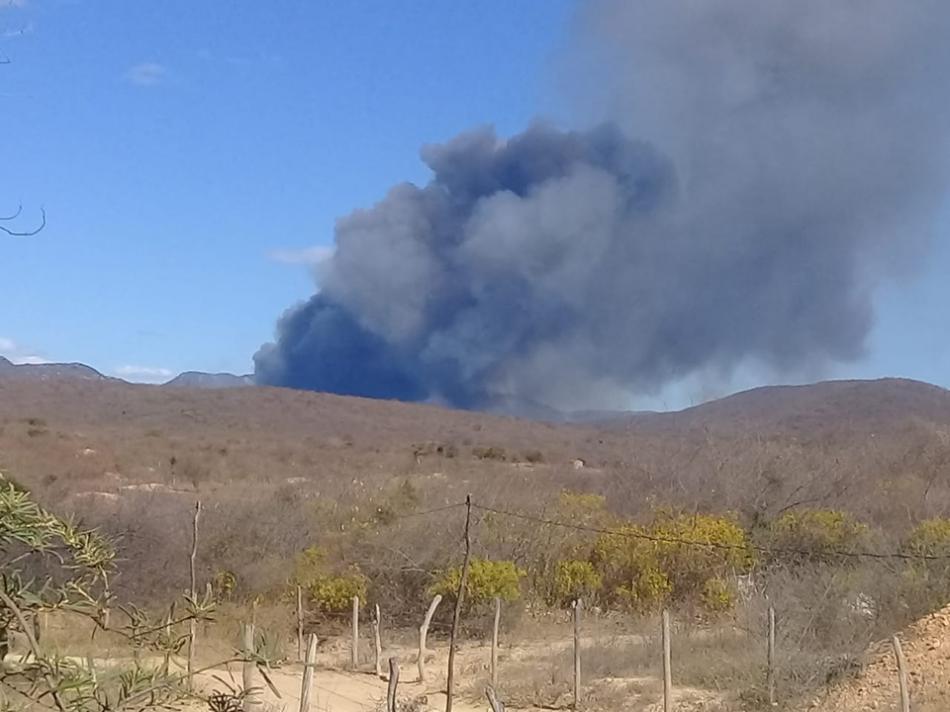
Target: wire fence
(765, 639)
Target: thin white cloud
(4, 4)
(146, 74)
(305, 256)
(15, 353)
(143, 374)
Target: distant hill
(200, 379)
(82, 372)
(808, 410)
(50, 371)
(130, 457)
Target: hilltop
(879, 448)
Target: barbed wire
(680, 541)
(427, 512)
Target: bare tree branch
(23, 233)
(34, 647)
(19, 209)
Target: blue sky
(189, 157)
(181, 150)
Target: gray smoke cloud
(761, 167)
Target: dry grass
(279, 471)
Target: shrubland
(347, 497)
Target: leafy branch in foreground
(50, 563)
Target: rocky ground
(926, 646)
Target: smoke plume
(759, 167)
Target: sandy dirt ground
(926, 646)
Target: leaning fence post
(578, 607)
(423, 632)
(299, 623)
(391, 688)
(308, 666)
(250, 692)
(494, 645)
(771, 656)
(378, 643)
(493, 701)
(901, 674)
(355, 648)
(667, 671)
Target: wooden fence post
(193, 624)
(578, 607)
(308, 665)
(299, 623)
(391, 688)
(901, 674)
(250, 692)
(493, 701)
(423, 633)
(378, 643)
(494, 645)
(771, 656)
(459, 598)
(355, 648)
(167, 631)
(667, 671)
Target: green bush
(224, 583)
(486, 580)
(574, 579)
(582, 506)
(328, 592)
(490, 453)
(673, 558)
(929, 538)
(334, 593)
(925, 583)
(718, 596)
(815, 535)
(647, 589)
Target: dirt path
(340, 691)
(337, 689)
